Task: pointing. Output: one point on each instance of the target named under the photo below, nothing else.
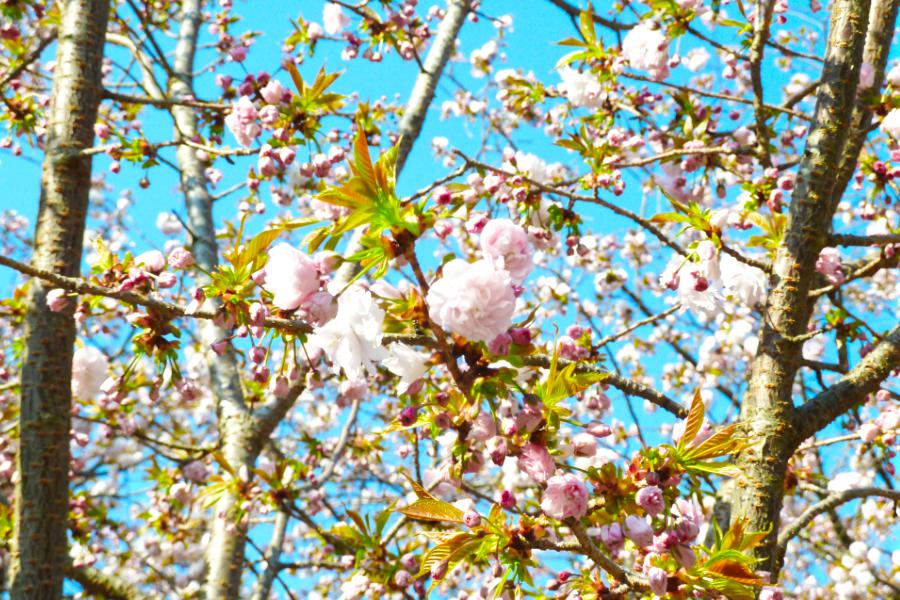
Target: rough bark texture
(40, 553)
(767, 411)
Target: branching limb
(851, 389)
(828, 504)
(98, 583)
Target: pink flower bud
(57, 300)
(472, 518)
(181, 258)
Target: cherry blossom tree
(622, 328)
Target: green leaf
(441, 552)
(722, 442)
(431, 509)
(694, 422)
(723, 468)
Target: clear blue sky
(531, 45)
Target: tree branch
(602, 560)
(851, 389)
(98, 583)
(828, 504)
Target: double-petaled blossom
(89, 367)
(647, 49)
(658, 580)
(565, 496)
(829, 264)
(333, 18)
(352, 339)
(580, 89)
(744, 282)
(152, 260)
(651, 499)
(891, 124)
(473, 300)
(291, 277)
(638, 531)
(536, 462)
(273, 92)
(407, 363)
(505, 244)
(483, 427)
(612, 536)
(241, 121)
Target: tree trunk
(767, 413)
(226, 546)
(40, 548)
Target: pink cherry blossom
(638, 531)
(241, 121)
(180, 258)
(473, 300)
(829, 265)
(536, 462)
(647, 49)
(273, 92)
(651, 499)
(89, 371)
(57, 300)
(334, 19)
(291, 276)
(658, 579)
(506, 245)
(565, 496)
(483, 428)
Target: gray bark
(226, 547)
(40, 548)
(416, 109)
(768, 412)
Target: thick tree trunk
(40, 554)
(767, 412)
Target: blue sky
(531, 45)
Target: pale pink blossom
(473, 300)
(57, 300)
(829, 265)
(352, 339)
(273, 92)
(868, 432)
(333, 19)
(89, 367)
(638, 531)
(580, 89)
(584, 444)
(565, 496)
(893, 76)
(891, 124)
(506, 245)
(651, 499)
(291, 276)
(866, 76)
(483, 427)
(241, 121)
(612, 536)
(407, 363)
(180, 258)
(771, 593)
(647, 49)
(658, 580)
(536, 462)
(152, 260)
